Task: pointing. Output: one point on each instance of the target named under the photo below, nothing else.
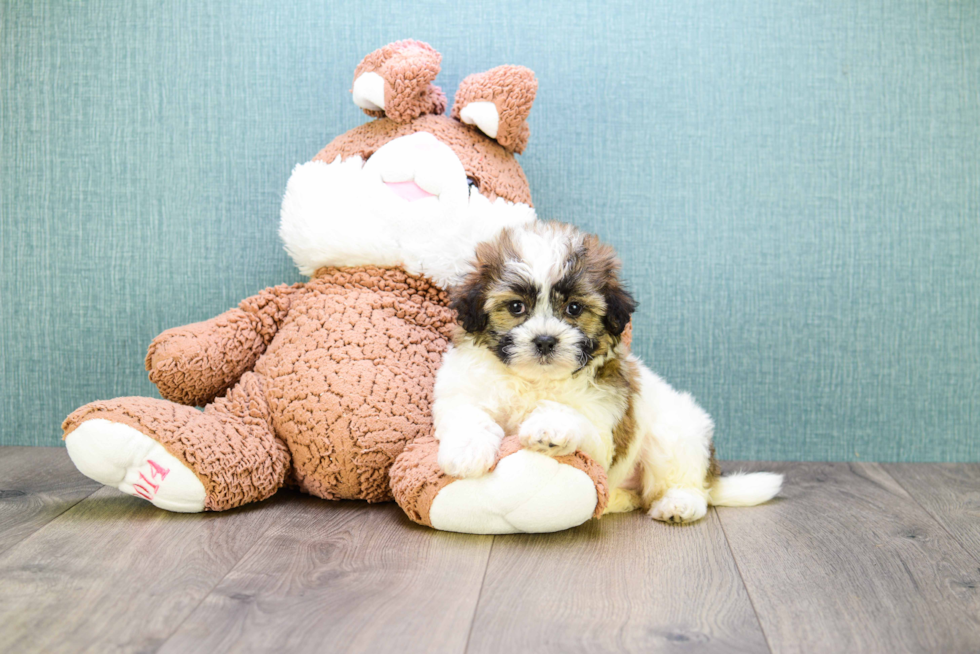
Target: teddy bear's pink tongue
(408, 190)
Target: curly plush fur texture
(322, 385)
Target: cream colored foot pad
(526, 493)
(122, 457)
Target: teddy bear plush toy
(326, 386)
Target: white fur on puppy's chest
(475, 373)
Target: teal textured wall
(794, 187)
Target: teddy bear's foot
(526, 492)
(117, 455)
(230, 448)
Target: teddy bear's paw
(526, 492)
(679, 505)
(120, 456)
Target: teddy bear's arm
(195, 363)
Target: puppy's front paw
(552, 432)
(679, 505)
(469, 451)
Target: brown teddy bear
(326, 386)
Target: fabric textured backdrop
(793, 185)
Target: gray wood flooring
(851, 558)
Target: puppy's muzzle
(545, 344)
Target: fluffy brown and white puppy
(543, 311)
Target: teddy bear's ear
(498, 102)
(396, 81)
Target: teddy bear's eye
(516, 308)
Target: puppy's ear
(620, 305)
(469, 297)
(467, 301)
(604, 266)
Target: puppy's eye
(574, 309)
(472, 184)
(517, 308)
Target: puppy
(540, 354)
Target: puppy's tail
(744, 488)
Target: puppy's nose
(545, 343)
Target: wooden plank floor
(851, 558)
